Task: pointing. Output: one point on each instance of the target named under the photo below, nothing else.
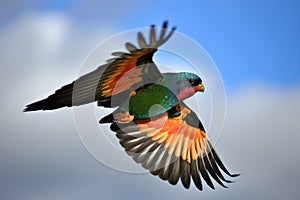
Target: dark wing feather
(113, 81)
(173, 148)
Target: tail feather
(107, 119)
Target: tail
(107, 119)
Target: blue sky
(255, 45)
(249, 40)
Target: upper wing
(115, 78)
(173, 146)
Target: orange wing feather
(173, 148)
(178, 137)
(130, 70)
(124, 72)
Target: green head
(183, 84)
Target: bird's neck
(186, 93)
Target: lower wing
(173, 148)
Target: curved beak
(200, 88)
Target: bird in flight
(152, 122)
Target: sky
(254, 44)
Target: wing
(114, 79)
(173, 146)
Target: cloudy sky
(254, 44)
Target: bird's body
(151, 120)
(143, 101)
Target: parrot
(151, 120)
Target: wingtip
(235, 175)
(212, 187)
(165, 24)
(228, 181)
(29, 108)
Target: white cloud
(33, 35)
(262, 140)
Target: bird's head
(188, 84)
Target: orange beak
(200, 88)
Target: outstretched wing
(114, 79)
(173, 146)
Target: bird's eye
(191, 81)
